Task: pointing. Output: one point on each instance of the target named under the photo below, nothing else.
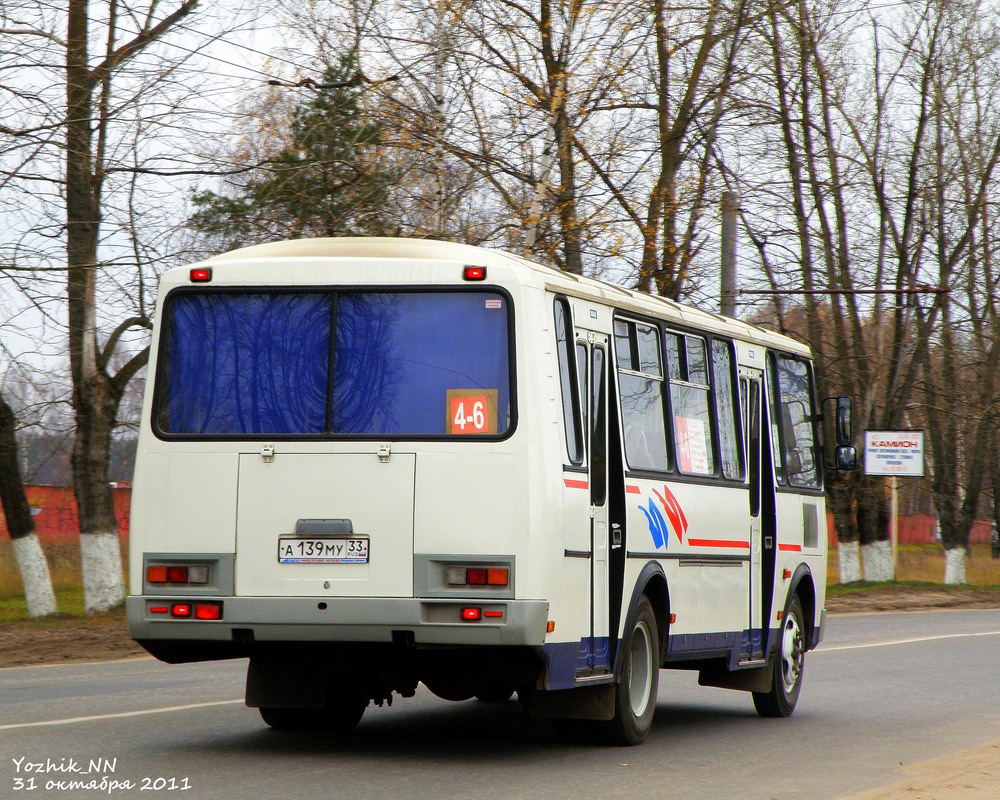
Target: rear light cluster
(475, 614)
(189, 610)
(177, 574)
(478, 576)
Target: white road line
(824, 649)
(73, 720)
(99, 663)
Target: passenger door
(750, 392)
(763, 509)
(592, 371)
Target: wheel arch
(803, 586)
(652, 583)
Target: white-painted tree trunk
(35, 575)
(850, 562)
(103, 582)
(876, 559)
(954, 566)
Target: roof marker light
(201, 275)
(471, 273)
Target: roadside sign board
(895, 453)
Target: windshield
(324, 363)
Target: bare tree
(90, 85)
(35, 576)
(960, 391)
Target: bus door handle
(616, 535)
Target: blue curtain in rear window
(398, 355)
(247, 364)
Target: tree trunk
(103, 581)
(35, 577)
(93, 394)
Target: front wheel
(786, 671)
(635, 693)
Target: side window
(729, 443)
(640, 385)
(794, 422)
(568, 382)
(690, 403)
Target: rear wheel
(635, 693)
(786, 670)
(341, 713)
(495, 692)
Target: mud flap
(744, 680)
(281, 684)
(587, 702)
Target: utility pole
(727, 296)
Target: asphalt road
(883, 691)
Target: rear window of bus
(317, 363)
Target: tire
(495, 693)
(340, 714)
(787, 667)
(639, 676)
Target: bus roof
(554, 279)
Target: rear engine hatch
(287, 543)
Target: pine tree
(331, 178)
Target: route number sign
(471, 411)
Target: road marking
(822, 649)
(74, 720)
(100, 663)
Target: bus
(370, 463)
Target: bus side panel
(472, 504)
(187, 504)
(802, 539)
(702, 534)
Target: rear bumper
(351, 619)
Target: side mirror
(846, 458)
(845, 421)
(838, 425)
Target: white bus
(368, 463)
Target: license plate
(296, 550)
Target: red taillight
(177, 574)
(472, 614)
(208, 611)
(201, 275)
(477, 576)
(180, 610)
(471, 273)
(159, 609)
(493, 614)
